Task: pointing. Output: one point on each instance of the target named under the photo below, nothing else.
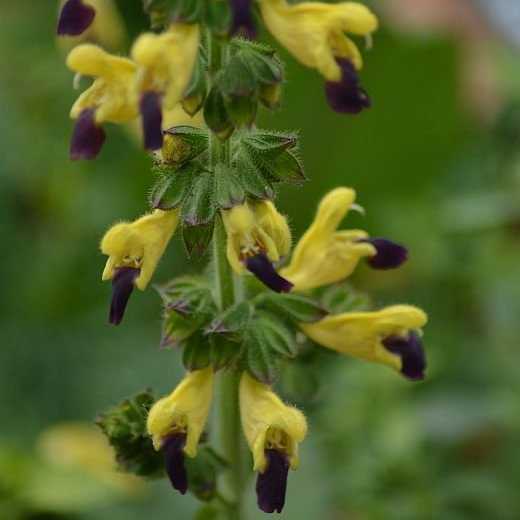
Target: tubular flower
(325, 255)
(108, 99)
(134, 250)
(273, 431)
(165, 64)
(314, 33)
(75, 18)
(176, 422)
(257, 236)
(388, 336)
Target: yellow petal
(185, 409)
(266, 418)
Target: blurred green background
(430, 170)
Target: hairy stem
(231, 442)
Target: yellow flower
(109, 99)
(324, 255)
(134, 250)
(257, 235)
(107, 28)
(273, 431)
(388, 336)
(184, 411)
(165, 64)
(314, 32)
(268, 423)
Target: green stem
(231, 441)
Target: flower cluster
(196, 86)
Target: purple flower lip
(264, 270)
(242, 19)
(389, 255)
(347, 96)
(87, 137)
(75, 18)
(411, 351)
(271, 485)
(174, 461)
(151, 113)
(122, 287)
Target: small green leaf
(171, 189)
(216, 115)
(199, 207)
(232, 321)
(242, 109)
(228, 188)
(261, 362)
(218, 17)
(197, 353)
(344, 298)
(236, 78)
(224, 352)
(295, 306)
(197, 238)
(184, 143)
(195, 93)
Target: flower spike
(273, 431)
(75, 18)
(388, 336)
(134, 250)
(257, 236)
(108, 99)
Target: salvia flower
(108, 99)
(176, 422)
(257, 236)
(325, 255)
(242, 18)
(165, 65)
(389, 336)
(134, 250)
(314, 33)
(76, 16)
(273, 431)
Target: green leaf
(242, 109)
(343, 298)
(267, 340)
(196, 91)
(199, 207)
(197, 353)
(216, 115)
(252, 179)
(295, 306)
(203, 471)
(171, 189)
(236, 78)
(218, 17)
(197, 238)
(232, 321)
(224, 352)
(228, 188)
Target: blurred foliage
(428, 175)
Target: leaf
(203, 471)
(196, 354)
(171, 189)
(236, 78)
(232, 321)
(295, 306)
(184, 143)
(199, 208)
(197, 238)
(261, 362)
(228, 188)
(216, 115)
(224, 352)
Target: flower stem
(231, 442)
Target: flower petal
(347, 96)
(411, 351)
(75, 18)
(173, 448)
(271, 485)
(264, 270)
(122, 287)
(389, 254)
(87, 137)
(150, 108)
